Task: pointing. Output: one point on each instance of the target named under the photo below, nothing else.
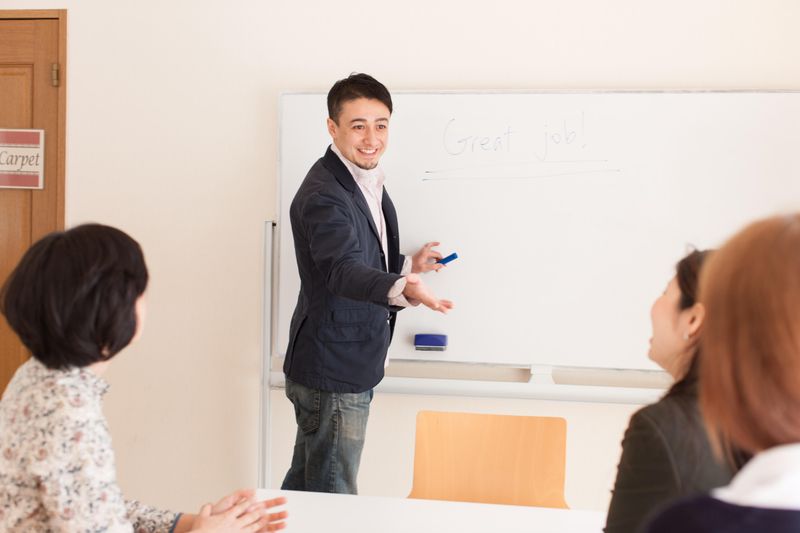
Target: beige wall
(593, 434)
(172, 131)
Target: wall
(172, 132)
(594, 431)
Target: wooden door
(32, 95)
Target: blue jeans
(330, 436)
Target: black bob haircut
(72, 297)
(353, 87)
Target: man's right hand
(416, 290)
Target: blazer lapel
(332, 162)
(392, 230)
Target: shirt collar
(365, 178)
(84, 377)
(768, 480)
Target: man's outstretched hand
(416, 290)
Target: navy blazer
(342, 324)
(705, 513)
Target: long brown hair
(750, 372)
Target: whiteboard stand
(266, 360)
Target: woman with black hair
(750, 383)
(665, 452)
(76, 299)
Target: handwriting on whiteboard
(566, 133)
(553, 142)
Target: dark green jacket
(665, 455)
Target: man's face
(362, 131)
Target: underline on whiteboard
(540, 176)
(515, 163)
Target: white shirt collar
(365, 178)
(770, 480)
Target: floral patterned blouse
(56, 463)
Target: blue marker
(445, 260)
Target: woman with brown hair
(750, 382)
(665, 452)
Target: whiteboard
(568, 210)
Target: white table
(314, 512)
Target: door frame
(61, 150)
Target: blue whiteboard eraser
(430, 342)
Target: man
(353, 279)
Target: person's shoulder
(320, 180)
(60, 395)
(671, 413)
(650, 416)
(706, 513)
(665, 423)
(644, 441)
(690, 515)
(317, 175)
(46, 408)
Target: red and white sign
(21, 159)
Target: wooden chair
(516, 460)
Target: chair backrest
(517, 460)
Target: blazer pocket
(334, 333)
(348, 324)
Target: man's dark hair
(353, 87)
(72, 297)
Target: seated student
(665, 451)
(750, 382)
(76, 300)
